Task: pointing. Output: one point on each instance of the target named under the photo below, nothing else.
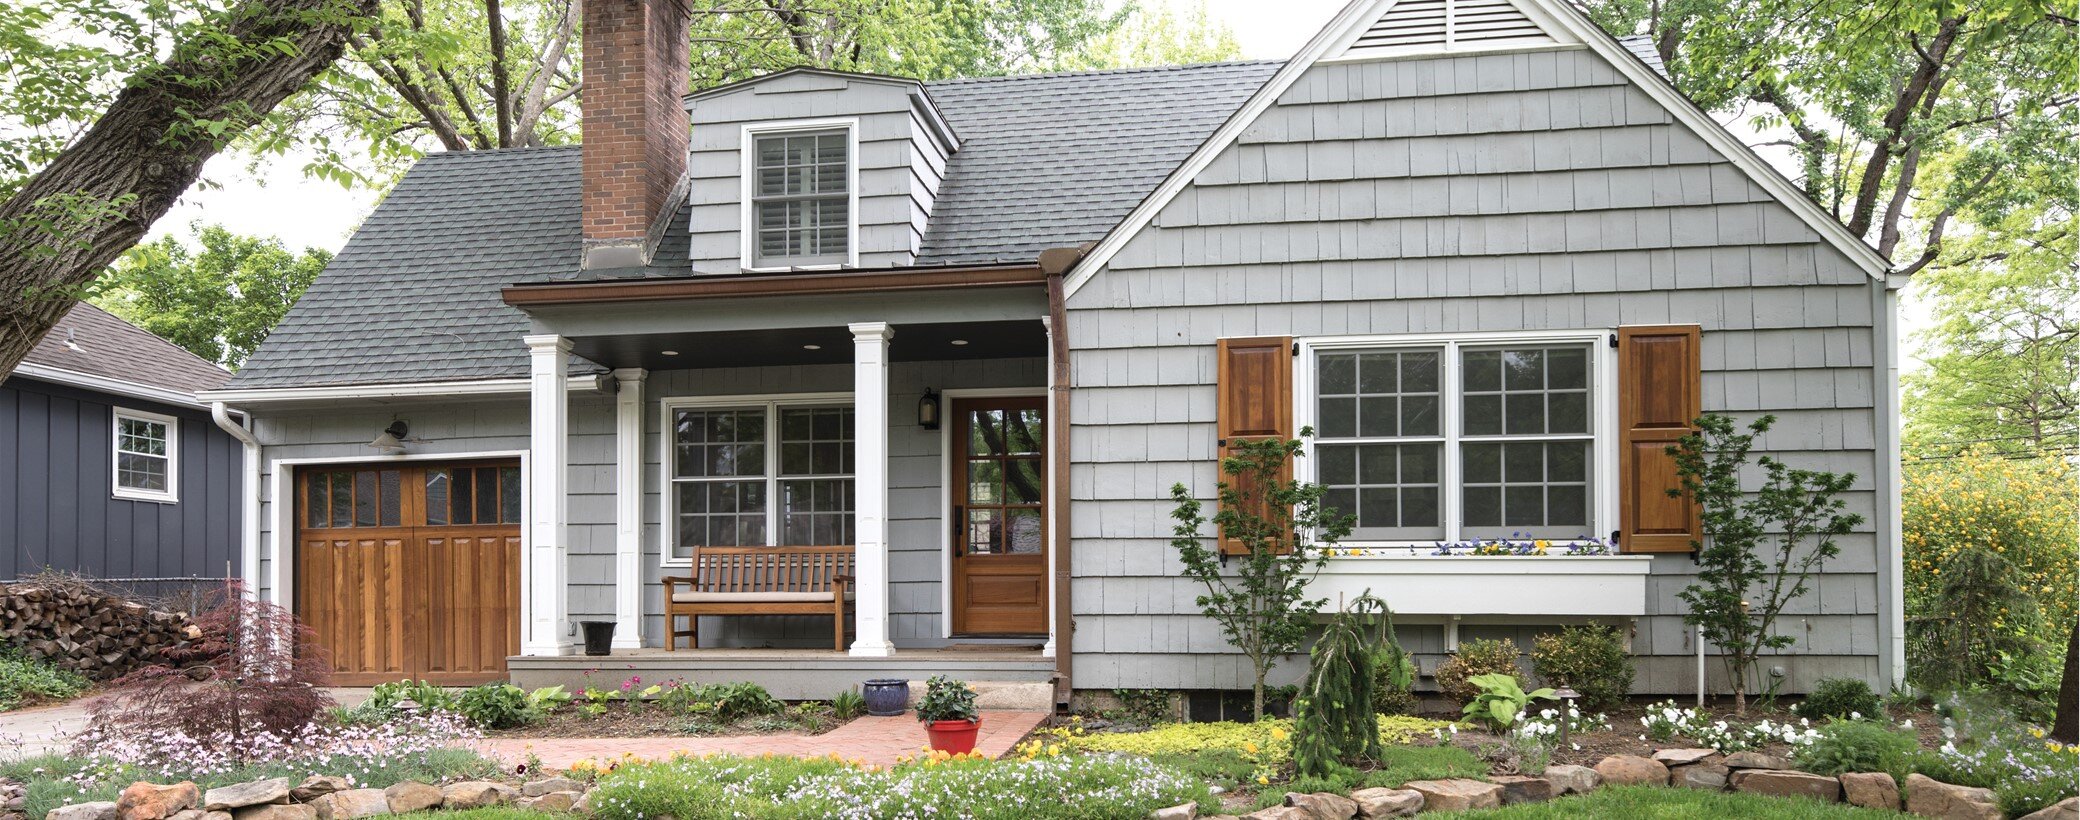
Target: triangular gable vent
(1415, 26)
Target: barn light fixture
(928, 410)
(391, 441)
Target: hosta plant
(1501, 699)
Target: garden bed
(650, 720)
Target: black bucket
(599, 637)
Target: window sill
(1530, 585)
(145, 496)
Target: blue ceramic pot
(886, 697)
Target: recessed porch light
(669, 352)
(812, 347)
(960, 342)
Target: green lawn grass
(1660, 803)
(1400, 764)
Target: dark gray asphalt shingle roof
(1046, 161)
(93, 341)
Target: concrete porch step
(1003, 680)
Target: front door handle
(960, 546)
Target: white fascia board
(1555, 13)
(104, 384)
(407, 390)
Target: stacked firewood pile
(87, 630)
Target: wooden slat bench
(759, 581)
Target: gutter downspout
(1055, 263)
(1892, 613)
(249, 497)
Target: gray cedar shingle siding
(1504, 192)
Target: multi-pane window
(801, 199)
(761, 475)
(146, 446)
(460, 496)
(1448, 441)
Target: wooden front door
(411, 571)
(999, 501)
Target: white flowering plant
(1665, 721)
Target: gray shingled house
(109, 465)
(1481, 247)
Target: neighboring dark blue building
(109, 466)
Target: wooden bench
(759, 581)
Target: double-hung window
(800, 197)
(759, 474)
(147, 451)
(1430, 439)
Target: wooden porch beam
(774, 284)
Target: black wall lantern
(928, 410)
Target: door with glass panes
(999, 501)
(411, 571)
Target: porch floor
(1005, 678)
(875, 740)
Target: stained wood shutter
(1660, 391)
(1255, 384)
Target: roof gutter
(774, 284)
(104, 384)
(407, 390)
(249, 498)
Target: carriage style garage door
(411, 571)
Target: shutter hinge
(1220, 442)
(1614, 536)
(1614, 341)
(1296, 348)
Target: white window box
(1604, 585)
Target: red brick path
(878, 740)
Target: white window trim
(171, 495)
(667, 533)
(1603, 404)
(747, 160)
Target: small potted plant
(948, 712)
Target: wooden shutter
(1660, 392)
(1255, 387)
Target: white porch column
(870, 487)
(628, 508)
(543, 604)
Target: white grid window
(759, 475)
(801, 198)
(146, 462)
(1429, 439)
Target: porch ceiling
(792, 346)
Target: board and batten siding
(901, 161)
(58, 510)
(1513, 191)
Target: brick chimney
(634, 126)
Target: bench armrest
(672, 582)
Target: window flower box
(1420, 582)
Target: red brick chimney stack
(634, 126)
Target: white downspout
(249, 497)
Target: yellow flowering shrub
(2021, 509)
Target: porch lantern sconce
(928, 410)
(391, 440)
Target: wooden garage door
(411, 572)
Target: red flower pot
(953, 736)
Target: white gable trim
(1359, 15)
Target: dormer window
(800, 202)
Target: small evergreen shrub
(1591, 659)
(1335, 724)
(1858, 746)
(1841, 698)
(1475, 658)
(1393, 671)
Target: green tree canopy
(218, 302)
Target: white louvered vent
(1412, 26)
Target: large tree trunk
(98, 197)
(2065, 725)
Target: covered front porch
(787, 448)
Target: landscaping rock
(1783, 783)
(1387, 802)
(241, 795)
(1929, 797)
(1324, 805)
(318, 785)
(1182, 811)
(537, 788)
(97, 810)
(1682, 757)
(352, 804)
(409, 797)
(1709, 777)
(1755, 760)
(1568, 778)
(1871, 790)
(148, 801)
(1278, 813)
(277, 811)
(1456, 794)
(476, 794)
(584, 805)
(553, 801)
(1523, 789)
(1632, 770)
(2067, 809)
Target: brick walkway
(878, 740)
